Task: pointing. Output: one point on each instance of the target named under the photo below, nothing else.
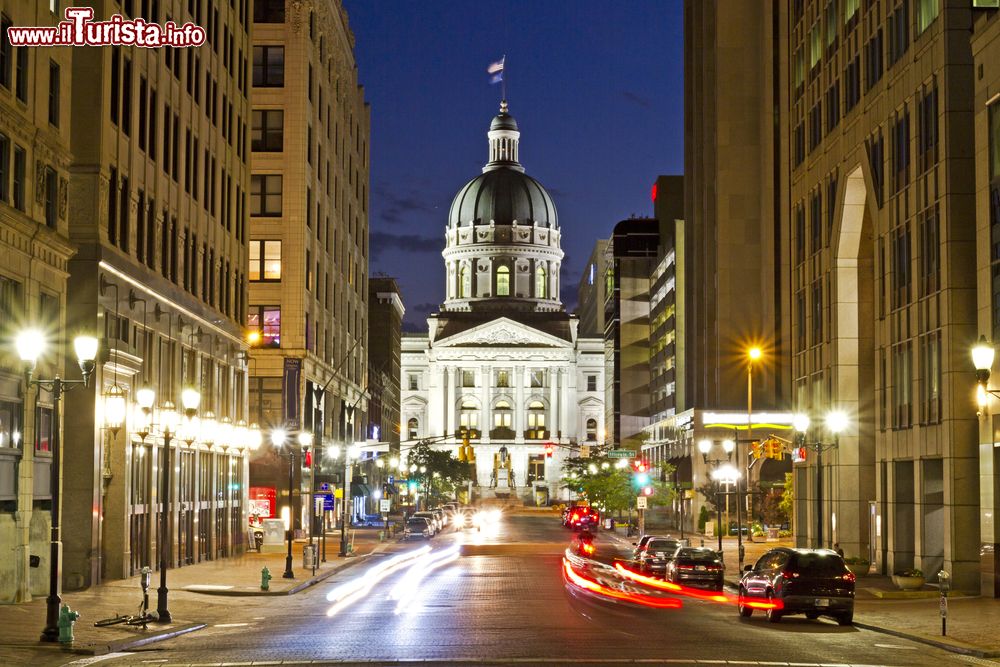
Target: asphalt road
(502, 600)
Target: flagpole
(503, 80)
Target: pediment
(502, 332)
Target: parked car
(432, 520)
(640, 545)
(442, 518)
(699, 567)
(656, 553)
(814, 582)
(418, 527)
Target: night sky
(597, 91)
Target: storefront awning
(359, 489)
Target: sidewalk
(972, 620)
(199, 595)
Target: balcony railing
(471, 433)
(502, 433)
(536, 434)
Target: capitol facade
(501, 361)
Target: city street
(503, 600)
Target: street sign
(640, 502)
(384, 505)
(584, 451)
(325, 486)
(621, 454)
(327, 500)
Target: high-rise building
(156, 206)
(385, 310)
(34, 256)
(308, 244)
(986, 103)
(879, 102)
(590, 293)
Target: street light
(278, 438)
(836, 423)
(705, 446)
(983, 353)
(754, 354)
(169, 423)
(30, 345)
(305, 439)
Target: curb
(308, 583)
(126, 644)
(952, 646)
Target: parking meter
(944, 581)
(144, 578)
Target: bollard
(66, 620)
(265, 579)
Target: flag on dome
(496, 70)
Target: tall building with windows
(590, 293)
(34, 264)
(308, 237)
(156, 206)
(878, 97)
(503, 361)
(986, 110)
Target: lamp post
(983, 354)
(753, 354)
(836, 422)
(278, 438)
(305, 439)
(30, 344)
(705, 446)
(728, 475)
(352, 452)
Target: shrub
(784, 533)
(703, 517)
(912, 572)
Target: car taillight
(685, 567)
(789, 575)
(850, 577)
(712, 568)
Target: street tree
(437, 471)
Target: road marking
(229, 625)
(97, 658)
(897, 646)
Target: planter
(905, 583)
(859, 569)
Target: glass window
(269, 11)
(502, 415)
(541, 283)
(269, 66)
(412, 428)
(414, 382)
(503, 379)
(268, 130)
(536, 468)
(503, 281)
(537, 379)
(266, 320)
(464, 282)
(21, 84)
(265, 261)
(468, 378)
(469, 415)
(265, 195)
(592, 383)
(10, 425)
(4, 166)
(591, 430)
(994, 140)
(51, 195)
(43, 429)
(53, 93)
(536, 415)
(927, 11)
(20, 165)
(6, 52)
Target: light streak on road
(693, 592)
(625, 596)
(408, 588)
(351, 591)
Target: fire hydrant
(265, 579)
(66, 620)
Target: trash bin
(308, 556)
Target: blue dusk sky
(597, 91)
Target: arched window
(468, 417)
(591, 430)
(464, 282)
(503, 281)
(412, 428)
(536, 418)
(541, 283)
(502, 415)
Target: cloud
(399, 207)
(637, 100)
(379, 242)
(425, 308)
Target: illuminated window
(503, 379)
(265, 261)
(412, 428)
(464, 282)
(591, 430)
(468, 378)
(266, 320)
(541, 283)
(502, 415)
(469, 415)
(503, 281)
(536, 415)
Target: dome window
(541, 283)
(503, 281)
(464, 282)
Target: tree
(711, 490)
(605, 483)
(437, 471)
(787, 503)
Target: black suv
(786, 581)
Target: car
(640, 544)
(814, 582)
(698, 567)
(432, 520)
(442, 517)
(656, 553)
(417, 527)
(580, 517)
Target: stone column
(433, 421)
(568, 424)
(520, 374)
(484, 399)
(553, 425)
(451, 374)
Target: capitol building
(502, 361)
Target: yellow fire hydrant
(265, 579)
(66, 620)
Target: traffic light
(639, 465)
(647, 491)
(549, 450)
(640, 473)
(755, 449)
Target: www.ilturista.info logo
(80, 30)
